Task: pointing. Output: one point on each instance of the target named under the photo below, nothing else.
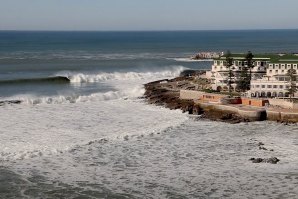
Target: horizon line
(185, 30)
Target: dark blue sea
(82, 129)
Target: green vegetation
(243, 83)
(249, 59)
(229, 64)
(292, 81)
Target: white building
(219, 72)
(276, 81)
(269, 74)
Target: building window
(263, 86)
(279, 67)
(282, 71)
(274, 86)
(287, 87)
(257, 86)
(294, 66)
(276, 71)
(269, 86)
(281, 86)
(270, 71)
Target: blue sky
(148, 14)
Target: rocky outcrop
(10, 102)
(156, 94)
(272, 160)
(169, 99)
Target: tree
(292, 81)
(243, 82)
(249, 59)
(229, 65)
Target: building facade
(276, 82)
(220, 72)
(269, 74)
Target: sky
(104, 15)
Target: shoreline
(167, 93)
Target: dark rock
(272, 160)
(263, 148)
(10, 102)
(261, 144)
(257, 160)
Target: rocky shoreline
(157, 94)
(169, 92)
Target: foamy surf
(48, 130)
(103, 76)
(126, 85)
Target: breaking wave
(85, 78)
(126, 85)
(136, 92)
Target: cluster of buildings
(207, 55)
(269, 78)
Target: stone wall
(190, 95)
(252, 115)
(276, 115)
(283, 103)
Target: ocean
(83, 130)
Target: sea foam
(82, 78)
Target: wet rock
(261, 144)
(272, 160)
(263, 148)
(10, 102)
(256, 160)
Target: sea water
(82, 129)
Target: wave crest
(85, 78)
(110, 95)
